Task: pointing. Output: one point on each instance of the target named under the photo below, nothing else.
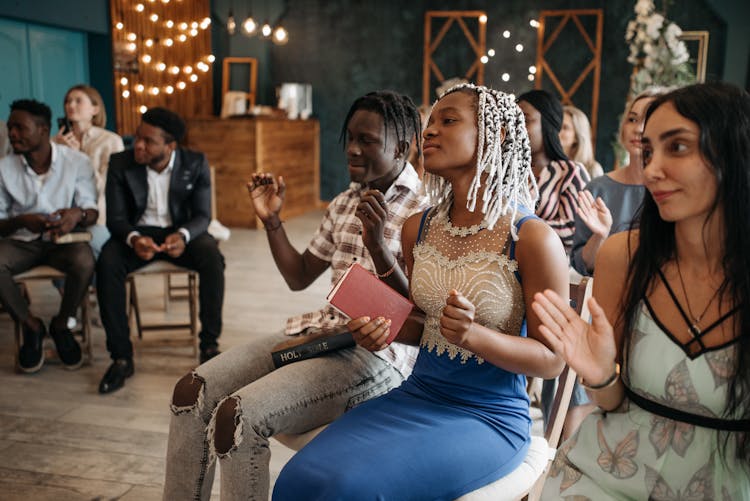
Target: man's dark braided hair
(399, 114)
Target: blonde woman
(575, 137)
(86, 116)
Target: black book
(313, 348)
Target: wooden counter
(237, 147)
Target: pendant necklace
(694, 329)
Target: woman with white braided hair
(474, 260)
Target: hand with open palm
(589, 349)
(594, 213)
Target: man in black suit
(158, 207)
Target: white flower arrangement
(657, 54)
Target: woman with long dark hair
(673, 423)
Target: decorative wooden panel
(237, 147)
(162, 57)
(477, 41)
(545, 43)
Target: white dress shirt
(157, 203)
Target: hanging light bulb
(231, 24)
(280, 35)
(249, 26)
(266, 30)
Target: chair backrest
(579, 296)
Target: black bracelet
(274, 228)
(611, 380)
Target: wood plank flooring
(61, 440)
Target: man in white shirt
(46, 190)
(158, 207)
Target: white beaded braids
(509, 179)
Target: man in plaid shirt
(230, 406)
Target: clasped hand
(589, 349)
(60, 222)
(145, 247)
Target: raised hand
(590, 349)
(68, 140)
(594, 213)
(372, 212)
(267, 195)
(457, 318)
(370, 334)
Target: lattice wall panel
(472, 26)
(583, 28)
(162, 57)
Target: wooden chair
(186, 290)
(160, 267)
(528, 478)
(48, 273)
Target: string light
(531, 77)
(506, 34)
(519, 47)
(505, 77)
(491, 52)
(534, 23)
(532, 69)
(141, 83)
(484, 59)
(483, 18)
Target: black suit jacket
(189, 193)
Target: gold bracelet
(611, 380)
(389, 272)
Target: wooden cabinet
(237, 147)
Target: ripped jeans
(292, 399)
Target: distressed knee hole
(228, 426)
(188, 394)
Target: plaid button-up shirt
(339, 242)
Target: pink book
(359, 293)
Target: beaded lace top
(474, 261)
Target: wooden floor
(61, 440)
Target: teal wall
(91, 17)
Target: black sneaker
(31, 354)
(68, 348)
(208, 353)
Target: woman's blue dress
(458, 422)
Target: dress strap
(738, 425)
(421, 223)
(674, 298)
(512, 243)
(702, 332)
